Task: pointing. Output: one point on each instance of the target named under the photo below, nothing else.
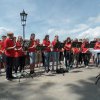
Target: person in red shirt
(0, 56)
(85, 52)
(38, 53)
(68, 53)
(2, 51)
(46, 53)
(9, 52)
(32, 50)
(55, 52)
(19, 55)
(97, 47)
(76, 52)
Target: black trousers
(80, 58)
(68, 59)
(19, 62)
(9, 65)
(86, 58)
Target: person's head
(32, 37)
(75, 40)
(87, 40)
(84, 40)
(95, 39)
(4, 37)
(38, 41)
(14, 39)
(56, 37)
(80, 40)
(68, 40)
(20, 38)
(10, 35)
(46, 37)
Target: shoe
(9, 79)
(15, 75)
(48, 70)
(32, 72)
(87, 66)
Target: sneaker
(87, 66)
(15, 75)
(9, 79)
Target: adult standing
(46, 42)
(19, 55)
(32, 50)
(55, 52)
(9, 52)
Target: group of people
(13, 55)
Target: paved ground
(78, 84)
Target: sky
(74, 18)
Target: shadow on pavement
(87, 90)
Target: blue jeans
(55, 56)
(46, 60)
(32, 57)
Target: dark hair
(45, 38)
(68, 39)
(32, 34)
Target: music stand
(40, 48)
(25, 45)
(59, 46)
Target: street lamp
(23, 16)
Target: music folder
(87, 45)
(76, 44)
(40, 47)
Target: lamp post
(23, 16)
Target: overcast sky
(74, 18)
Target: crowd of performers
(13, 55)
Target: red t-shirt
(9, 43)
(46, 43)
(76, 50)
(0, 47)
(84, 49)
(32, 44)
(97, 45)
(67, 46)
(53, 44)
(19, 53)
